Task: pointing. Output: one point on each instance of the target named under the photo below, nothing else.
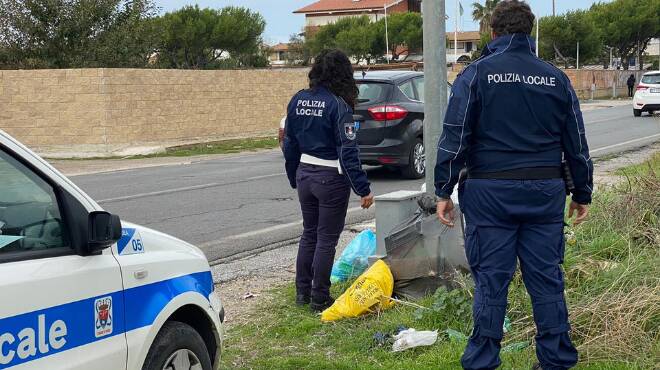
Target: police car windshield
(371, 92)
(651, 79)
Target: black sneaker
(302, 299)
(321, 305)
(537, 366)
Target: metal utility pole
(577, 58)
(435, 85)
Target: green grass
(612, 269)
(221, 147)
(216, 147)
(643, 168)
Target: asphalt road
(237, 205)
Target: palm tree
(483, 13)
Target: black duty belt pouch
(530, 173)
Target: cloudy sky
(280, 22)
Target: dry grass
(618, 324)
(612, 270)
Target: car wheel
(416, 161)
(177, 347)
(637, 112)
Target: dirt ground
(246, 282)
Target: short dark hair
(512, 16)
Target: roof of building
(464, 36)
(280, 47)
(344, 5)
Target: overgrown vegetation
(626, 26)
(612, 269)
(127, 33)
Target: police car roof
(394, 76)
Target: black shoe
(321, 305)
(537, 366)
(302, 299)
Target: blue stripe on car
(132, 309)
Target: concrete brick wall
(96, 112)
(603, 79)
(123, 111)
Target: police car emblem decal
(103, 316)
(351, 129)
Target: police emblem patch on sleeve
(351, 129)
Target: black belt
(530, 173)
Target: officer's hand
(582, 212)
(367, 201)
(446, 212)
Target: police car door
(58, 310)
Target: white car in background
(82, 290)
(647, 96)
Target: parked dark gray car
(391, 113)
(390, 110)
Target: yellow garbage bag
(371, 291)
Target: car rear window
(651, 79)
(372, 92)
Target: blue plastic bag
(354, 259)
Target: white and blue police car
(79, 289)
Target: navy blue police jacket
(510, 110)
(320, 124)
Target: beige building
(466, 46)
(279, 54)
(324, 12)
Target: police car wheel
(416, 161)
(177, 347)
(637, 112)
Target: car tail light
(642, 87)
(386, 160)
(387, 112)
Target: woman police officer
(322, 162)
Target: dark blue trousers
(323, 195)
(509, 221)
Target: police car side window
(407, 89)
(30, 219)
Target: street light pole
(456, 35)
(435, 85)
(538, 20)
(577, 59)
(387, 38)
(553, 8)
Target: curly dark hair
(512, 16)
(333, 70)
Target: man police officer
(323, 163)
(510, 118)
